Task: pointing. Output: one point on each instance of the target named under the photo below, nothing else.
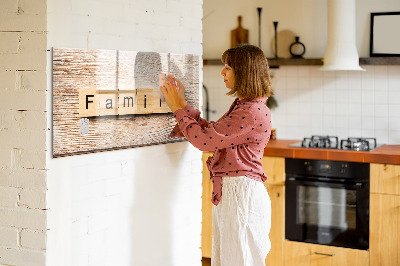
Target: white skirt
(241, 223)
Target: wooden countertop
(389, 154)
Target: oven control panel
(338, 169)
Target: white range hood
(341, 51)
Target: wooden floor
(206, 261)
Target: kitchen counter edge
(386, 154)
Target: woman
(242, 208)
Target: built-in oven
(327, 202)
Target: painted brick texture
(138, 206)
(23, 218)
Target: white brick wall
(22, 132)
(138, 206)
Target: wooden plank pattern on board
(90, 70)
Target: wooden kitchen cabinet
(305, 254)
(385, 178)
(384, 236)
(274, 168)
(206, 225)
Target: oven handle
(357, 185)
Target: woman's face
(229, 76)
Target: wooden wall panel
(122, 72)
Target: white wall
(138, 206)
(311, 102)
(305, 18)
(23, 133)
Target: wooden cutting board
(239, 35)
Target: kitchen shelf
(273, 63)
(380, 61)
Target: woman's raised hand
(174, 94)
(181, 92)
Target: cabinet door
(206, 232)
(274, 168)
(305, 254)
(277, 233)
(385, 178)
(384, 230)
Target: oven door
(327, 213)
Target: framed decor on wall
(384, 36)
(111, 99)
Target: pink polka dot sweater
(238, 139)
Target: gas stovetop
(332, 142)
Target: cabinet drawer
(305, 254)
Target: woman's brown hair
(250, 66)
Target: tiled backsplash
(341, 103)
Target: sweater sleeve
(193, 113)
(229, 131)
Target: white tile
(279, 72)
(367, 133)
(317, 107)
(381, 123)
(317, 131)
(342, 96)
(328, 74)
(303, 82)
(394, 83)
(305, 109)
(355, 109)
(316, 72)
(354, 80)
(394, 70)
(317, 95)
(278, 83)
(355, 132)
(293, 120)
(367, 123)
(291, 71)
(394, 123)
(369, 70)
(367, 110)
(329, 94)
(355, 122)
(394, 110)
(394, 137)
(329, 122)
(342, 81)
(380, 71)
(394, 97)
(304, 72)
(342, 109)
(381, 110)
(355, 96)
(329, 109)
(367, 83)
(381, 97)
(381, 84)
(316, 82)
(342, 122)
(292, 83)
(382, 136)
(367, 96)
(342, 133)
(317, 121)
